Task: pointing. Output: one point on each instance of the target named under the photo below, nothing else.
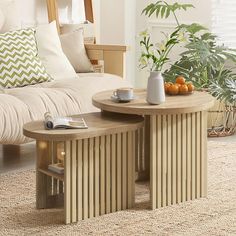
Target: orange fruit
(173, 89)
(183, 89)
(178, 84)
(167, 86)
(190, 87)
(180, 80)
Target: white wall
(200, 14)
(32, 12)
(112, 21)
(117, 26)
(35, 11)
(130, 39)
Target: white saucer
(116, 99)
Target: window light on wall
(71, 11)
(224, 21)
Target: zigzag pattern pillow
(19, 61)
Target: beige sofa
(64, 97)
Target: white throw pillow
(9, 16)
(73, 46)
(51, 53)
(88, 30)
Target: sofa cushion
(19, 62)
(73, 46)
(62, 98)
(51, 53)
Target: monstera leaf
(202, 60)
(163, 9)
(224, 87)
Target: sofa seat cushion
(63, 97)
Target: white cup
(124, 93)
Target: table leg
(43, 182)
(147, 146)
(178, 158)
(142, 158)
(68, 182)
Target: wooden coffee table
(98, 170)
(177, 143)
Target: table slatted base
(178, 162)
(99, 175)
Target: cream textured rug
(215, 215)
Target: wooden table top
(98, 123)
(198, 101)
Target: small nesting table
(98, 170)
(175, 141)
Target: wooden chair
(113, 56)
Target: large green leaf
(224, 89)
(193, 28)
(163, 9)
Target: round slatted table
(175, 143)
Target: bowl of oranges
(180, 87)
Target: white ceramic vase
(155, 88)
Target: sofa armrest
(113, 57)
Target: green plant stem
(220, 72)
(168, 50)
(177, 21)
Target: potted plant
(224, 89)
(204, 63)
(155, 56)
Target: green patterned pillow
(19, 61)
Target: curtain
(224, 21)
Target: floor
(214, 215)
(18, 158)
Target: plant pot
(221, 120)
(155, 88)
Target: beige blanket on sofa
(65, 97)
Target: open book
(63, 122)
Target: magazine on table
(63, 122)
